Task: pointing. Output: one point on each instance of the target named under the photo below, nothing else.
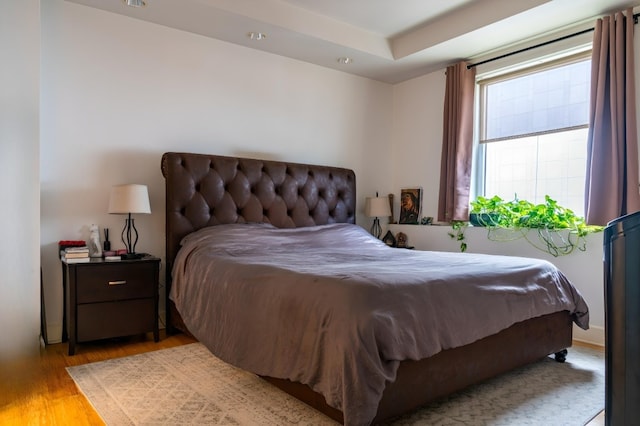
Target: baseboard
(162, 320)
(54, 333)
(593, 336)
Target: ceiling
(386, 40)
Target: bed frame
(207, 190)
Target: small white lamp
(377, 207)
(128, 199)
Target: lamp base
(376, 229)
(132, 256)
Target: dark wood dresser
(105, 299)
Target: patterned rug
(188, 385)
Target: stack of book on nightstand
(76, 254)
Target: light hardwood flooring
(38, 391)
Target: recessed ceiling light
(257, 36)
(345, 60)
(134, 3)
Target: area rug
(188, 385)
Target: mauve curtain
(611, 188)
(457, 144)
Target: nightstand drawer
(111, 282)
(110, 299)
(112, 319)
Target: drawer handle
(117, 282)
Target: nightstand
(105, 299)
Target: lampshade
(130, 198)
(377, 207)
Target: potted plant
(559, 231)
(486, 211)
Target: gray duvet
(336, 309)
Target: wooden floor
(38, 390)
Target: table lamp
(129, 199)
(377, 207)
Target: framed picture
(410, 205)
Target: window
(533, 133)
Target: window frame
(478, 185)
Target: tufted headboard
(206, 190)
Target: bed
(266, 267)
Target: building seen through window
(533, 133)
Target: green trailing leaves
(457, 233)
(558, 230)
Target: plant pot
(484, 219)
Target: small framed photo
(410, 205)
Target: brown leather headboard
(205, 190)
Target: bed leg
(562, 355)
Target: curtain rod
(588, 30)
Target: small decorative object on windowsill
(427, 220)
(389, 239)
(128, 199)
(402, 241)
(375, 208)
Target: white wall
(19, 186)
(417, 138)
(118, 92)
